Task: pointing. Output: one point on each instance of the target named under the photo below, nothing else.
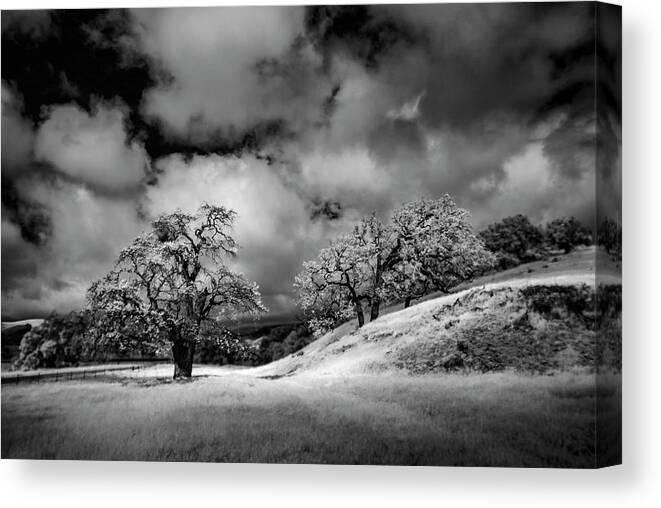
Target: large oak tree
(169, 280)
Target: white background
(637, 483)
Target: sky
(301, 119)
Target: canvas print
(359, 234)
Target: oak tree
(514, 240)
(436, 249)
(567, 233)
(428, 245)
(333, 286)
(171, 279)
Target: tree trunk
(182, 354)
(359, 313)
(374, 308)
(407, 302)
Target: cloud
(17, 134)
(409, 111)
(350, 176)
(34, 23)
(88, 232)
(481, 60)
(213, 56)
(91, 148)
(533, 187)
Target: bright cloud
(92, 149)
(212, 57)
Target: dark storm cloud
(35, 24)
(302, 119)
(331, 210)
(364, 32)
(84, 55)
(486, 66)
(32, 218)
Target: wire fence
(69, 374)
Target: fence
(69, 374)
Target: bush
(58, 342)
(282, 341)
(514, 240)
(609, 236)
(11, 341)
(566, 234)
(504, 261)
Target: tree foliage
(281, 341)
(335, 285)
(567, 233)
(57, 342)
(168, 281)
(609, 236)
(514, 240)
(428, 245)
(438, 249)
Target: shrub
(514, 240)
(609, 236)
(505, 261)
(535, 329)
(59, 341)
(282, 341)
(566, 234)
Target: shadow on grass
(147, 382)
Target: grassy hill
(535, 318)
(32, 322)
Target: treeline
(60, 341)
(69, 339)
(72, 338)
(515, 240)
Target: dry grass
(495, 325)
(486, 420)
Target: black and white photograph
(328, 234)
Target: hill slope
(532, 320)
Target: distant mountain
(251, 325)
(32, 322)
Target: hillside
(534, 318)
(32, 322)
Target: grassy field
(487, 420)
